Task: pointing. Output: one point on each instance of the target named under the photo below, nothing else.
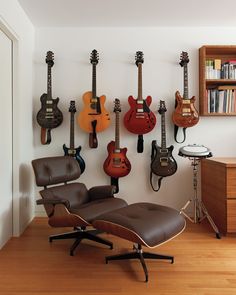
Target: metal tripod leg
(199, 207)
(184, 213)
(212, 223)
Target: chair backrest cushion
(54, 170)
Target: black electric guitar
(72, 151)
(49, 116)
(162, 162)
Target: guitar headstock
(184, 59)
(72, 108)
(162, 108)
(94, 57)
(50, 58)
(139, 58)
(117, 107)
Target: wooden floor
(31, 265)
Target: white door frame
(15, 127)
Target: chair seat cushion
(143, 223)
(92, 210)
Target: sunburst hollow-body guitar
(116, 164)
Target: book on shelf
(215, 69)
(222, 99)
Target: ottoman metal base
(139, 254)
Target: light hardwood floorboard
(31, 265)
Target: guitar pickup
(186, 110)
(164, 151)
(164, 161)
(139, 110)
(186, 101)
(49, 102)
(140, 101)
(71, 152)
(49, 110)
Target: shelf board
(220, 81)
(217, 114)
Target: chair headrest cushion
(54, 170)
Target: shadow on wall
(5, 226)
(26, 205)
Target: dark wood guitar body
(116, 164)
(139, 122)
(49, 116)
(163, 163)
(185, 113)
(76, 154)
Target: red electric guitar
(139, 119)
(117, 164)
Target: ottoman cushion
(142, 223)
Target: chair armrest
(53, 202)
(101, 192)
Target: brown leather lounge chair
(72, 204)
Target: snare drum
(195, 151)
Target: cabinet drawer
(231, 216)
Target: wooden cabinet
(218, 179)
(217, 80)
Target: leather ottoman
(144, 224)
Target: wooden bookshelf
(207, 53)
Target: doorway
(6, 134)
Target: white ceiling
(93, 13)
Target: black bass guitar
(162, 162)
(49, 116)
(72, 151)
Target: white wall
(117, 77)
(19, 28)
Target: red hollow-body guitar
(116, 164)
(139, 119)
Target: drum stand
(200, 211)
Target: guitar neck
(163, 131)
(49, 83)
(72, 129)
(185, 96)
(140, 90)
(94, 86)
(117, 131)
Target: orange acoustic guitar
(185, 114)
(117, 164)
(94, 117)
